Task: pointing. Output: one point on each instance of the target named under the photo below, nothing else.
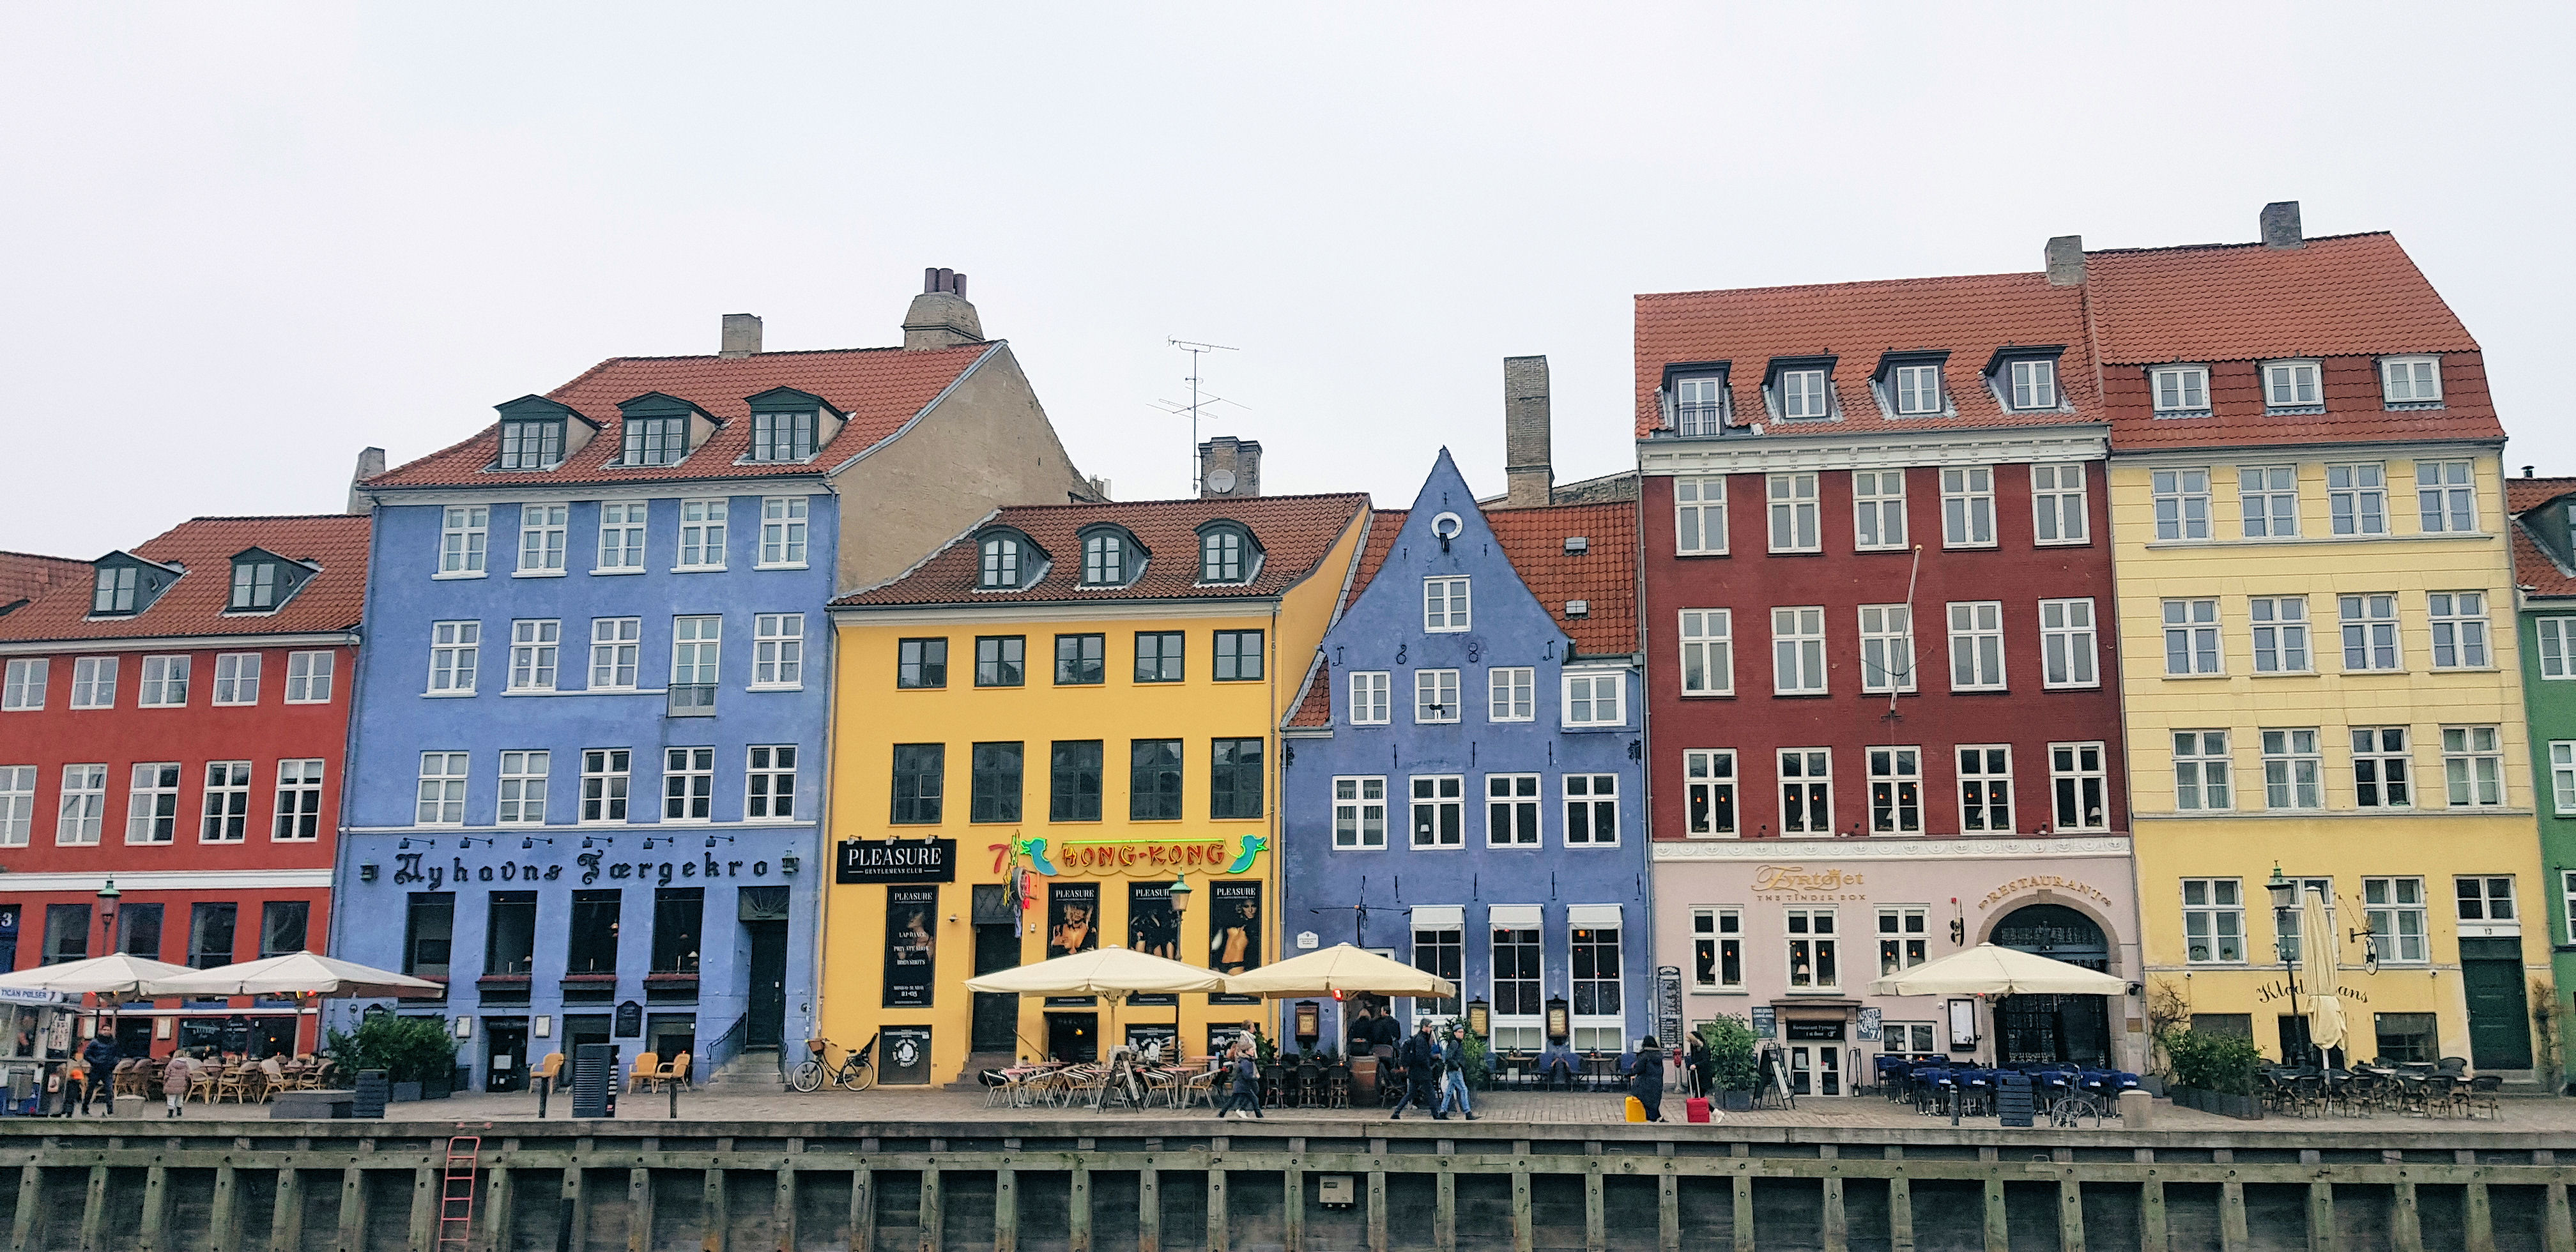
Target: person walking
(1699, 1065)
(1421, 1058)
(1453, 1086)
(174, 1083)
(1243, 1090)
(1646, 1078)
(100, 1059)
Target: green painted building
(2544, 558)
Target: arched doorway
(2054, 1028)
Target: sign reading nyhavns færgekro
(897, 861)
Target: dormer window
(655, 440)
(1110, 558)
(115, 591)
(2180, 389)
(782, 436)
(2411, 380)
(2034, 384)
(532, 443)
(1918, 389)
(1803, 396)
(1227, 554)
(1001, 564)
(2291, 385)
(1699, 404)
(126, 584)
(254, 585)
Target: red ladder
(456, 1194)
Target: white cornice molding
(2055, 847)
(182, 643)
(813, 482)
(1246, 607)
(190, 880)
(1737, 454)
(2204, 454)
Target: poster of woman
(1073, 919)
(1234, 926)
(1151, 928)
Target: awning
(1516, 916)
(1439, 916)
(1582, 915)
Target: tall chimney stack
(1528, 465)
(2066, 261)
(1229, 469)
(939, 316)
(2281, 225)
(741, 335)
(371, 462)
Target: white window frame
(444, 777)
(2220, 909)
(605, 788)
(1446, 605)
(523, 787)
(2181, 498)
(1699, 405)
(2194, 624)
(2373, 753)
(1709, 789)
(2070, 645)
(2293, 385)
(2446, 497)
(1904, 937)
(2557, 647)
(2261, 491)
(2495, 907)
(2075, 768)
(1806, 395)
(94, 682)
(1820, 944)
(2473, 766)
(464, 541)
(622, 526)
(17, 805)
(1968, 506)
(81, 812)
(2205, 759)
(1720, 929)
(2370, 629)
(616, 653)
(769, 782)
(2388, 908)
(1811, 771)
(1794, 508)
(2031, 385)
(543, 532)
(778, 652)
(536, 653)
(2357, 497)
(236, 679)
(1435, 690)
(164, 684)
(224, 802)
(2179, 388)
(23, 689)
(298, 801)
(1425, 792)
(688, 785)
(1515, 808)
(309, 677)
(2562, 776)
(1976, 645)
(2281, 634)
(1895, 788)
(692, 637)
(1914, 390)
(784, 523)
(1699, 516)
(2058, 506)
(1591, 800)
(2459, 629)
(1371, 700)
(2294, 770)
(1359, 812)
(2410, 380)
(1798, 651)
(1511, 694)
(1987, 803)
(152, 803)
(1887, 661)
(1585, 704)
(1878, 510)
(1707, 640)
(703, 530)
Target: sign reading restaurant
(897, 861)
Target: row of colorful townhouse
(2067, 610)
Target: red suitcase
(1696, 1108)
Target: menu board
(911, 946)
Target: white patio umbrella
(122, 975)
(1990, 970)
(298, 974)
(1102, 971)
(1343, 968)
(2326, 1026)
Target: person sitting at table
(1556, 1066)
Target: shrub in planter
(1732, 1067)
(412, 1051)
(2215, 1073)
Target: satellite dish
(1221, 481)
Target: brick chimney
(1229, 469)
(371, 462)
(2281, 225)
(1528, 467)
(939, 316)
(741, 335)
(2066, 261)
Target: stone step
(752, 1069)
(977, 1063)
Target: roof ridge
(1857, 282)
(718, 356)
(1111, 504)
(272, 517)
(2255, 243)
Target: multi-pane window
(2357, 498)
(1806, 791)
(523, 788)
(1158, 656)
(1798, 651)
(2562, 776)
(2057, 504)
(1001, 660)
(2070, 652)
(1968, 507)
(2369, 632)
(1699, 405)
(1074, 768)
(1518, 962)
(921, 663)
(1435, 695)
(442, 789)
(1238, 655)
(1511, 693)
(535, 648)
(2293, 772)
(2269, 499)
(1154, 780)
(1359, 811)
(308, 677)
(769, 783)
(702, 533)
(1803, 395)
(94, 682)
(2383, 774)
(1699, 516)
(2459, 629)
(2557, 649)
(1370, 698)
(2410, 380)
(2484, 899)
(152, 803)
(2191, 637)
(115, 591)
(1439, 810)
(594, 932)
(782, 436)
(1444, 604)
(688, 784)
(464, 535)
(23, 689)
(2473, 766)
(2446, 495)
(1985, 788)
(919, 778)
(654, 440)
(1886, 648)
(1511, 810)
(615, 644)
(237, 678)
(1814, 959)
(299, 800)
(1793, 513)
(2290, 385)
(1591, 810)
(1708, 791)
(211, 928)
(1440, 950)
(1596, 984)
(2034, 384)
(2280, 634)
(1904, 938)
(993, 784)
(1977, 646)
(1081, 660)
(1596, 700)
(254, 586)
(1708, 652)
(1000, 564)
(1895, 791)
(165, 683)
(2213, 920)
(782, 532)
(621, 535)
(224, 817)
(1918, 389)
(2200, 764)
(1717, 948)
(17, 804)
(1878, 509)
(2180, 388)
(542, 528)
(2078, 787)
(83, 806)
(1234, 778)
(1222, 556)
(1104, 559)
(697, 645)
(2181, 499)
(2395, 907)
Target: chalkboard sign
(1668, 1003)
(630, 1020)
(1765, 1022)
(237, 1034)
(2012, 1099)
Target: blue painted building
(1463, 788)
(587, 777)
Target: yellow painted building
(1037, 732)
(2317, 647)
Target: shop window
(66, 933)
(1518, 998)
(595, 919)
(1595, 951)
(1440, 952)
(679, 915)
(510, 935)
(2408, 1037)
(2229, 1025)
(427, 929)
(210, 934)
(282, 926)
(138, 930)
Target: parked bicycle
(856, 1071)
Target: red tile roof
(2533, 566)
(1969, 317)
(1604, 577)
(25, 575)
(194, 605)
(1383, 528)
(879, 388)
(1313, 709)
(2340, 295)
(1295, 534)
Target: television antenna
(1199, 398)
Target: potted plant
(1731, 1066)
(415, 1053)
(2214, 1073)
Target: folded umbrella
(294, 974)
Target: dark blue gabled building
(1464, 789)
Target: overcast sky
(244, 243)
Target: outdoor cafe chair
(2483, 1093)
(2442, 1094)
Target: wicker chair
(204, 1081)
(129, 1077)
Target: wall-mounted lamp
(426, 843)
(367, 873)
(789, 864)
(529, 841)
(610, 840)
(711, 839)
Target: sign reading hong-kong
(1133, 856)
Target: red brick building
(175, 720)
(1877, 604)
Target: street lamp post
(108, 898)
(2285, 905)
(1179, 892)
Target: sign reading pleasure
(897, 861)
